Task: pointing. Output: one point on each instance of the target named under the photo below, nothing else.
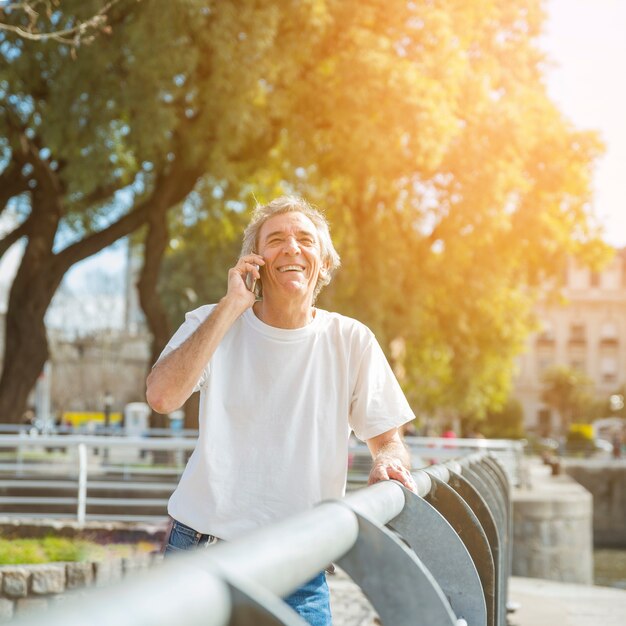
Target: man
(281, 385)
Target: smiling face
(290, 245)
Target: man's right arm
(174, 377)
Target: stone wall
(552, 529)
(606, 480)
(24, 587)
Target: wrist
(389, 459)
(235, 305)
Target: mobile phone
(253, 284)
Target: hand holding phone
(253, 284)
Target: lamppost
(108, 405)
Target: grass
(54, 549)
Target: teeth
(290, 268)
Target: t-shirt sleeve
(193, 319)
(378, 403)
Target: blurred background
(470, 158)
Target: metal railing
(123, 478)
(430, 450)
(442, 557)
(89, 477)
(509, 452)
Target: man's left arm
(392, 460)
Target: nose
(291, 246)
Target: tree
(425, 130)
(569, 392)
(454, 185)
(505, 423)
(94, 148)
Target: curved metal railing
(441, 557)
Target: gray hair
(295, 204)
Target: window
(577, 333)
(608, 334)
(546, 336)
(608, 330)
(542, 365)
(608, 369)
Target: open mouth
(291, 268)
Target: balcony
(545, 341)
(577, 340)
(609, 342)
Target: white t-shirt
(276, 410)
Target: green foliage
(453, 184)
(48, 549)
(198, 259)
(119, 114)
(60, 549)
(505, 423)
(579, 439)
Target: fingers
(250, 259)
(392, 470)
(249, 263)
(377, 474)
(251, 268)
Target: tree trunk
(154, 250)
(192, 410)
(26, 344)
(41, 272)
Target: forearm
(393, 451)
(173, 378)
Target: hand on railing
(391, 469)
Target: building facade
(586, 331)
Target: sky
(585, 42)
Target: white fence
(116, 478)
(131, 478)
(89, 477)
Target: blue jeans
(311, 601)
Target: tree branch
(72, 36)
(12, 183)
(169, 190)
(30, 153)
(9, 239)
(100, 194)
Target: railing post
(464, 521)
(82, 484)
(443, 552)
(391, 575)
(251, 604)
(19, 459)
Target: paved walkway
(543, 603)
(348, 605)
(549, 603)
